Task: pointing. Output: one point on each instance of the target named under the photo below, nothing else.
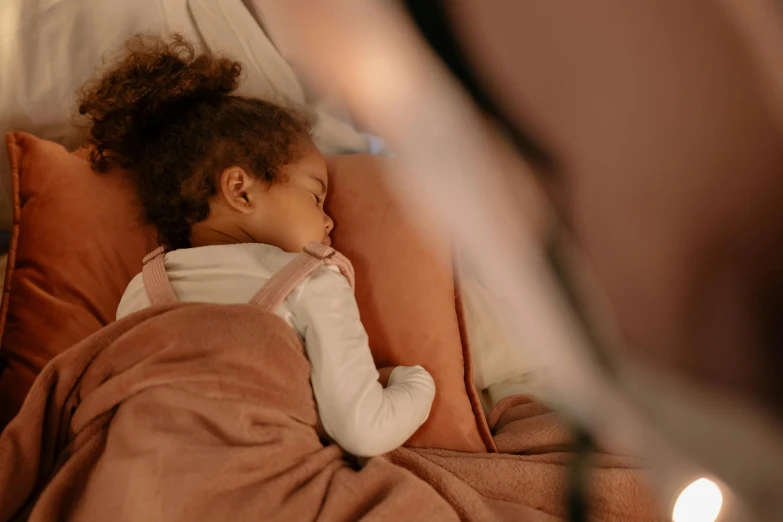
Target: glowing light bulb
(699, 502)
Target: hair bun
(169, 116)
(147, 90)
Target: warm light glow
(699, 502)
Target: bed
(48, 48)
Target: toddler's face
(290, 212)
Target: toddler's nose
(329, 224)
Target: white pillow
(230, 27)
(501, 366)
(49, 48)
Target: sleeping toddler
(235, 188)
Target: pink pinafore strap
(156, 282)
(274, 292)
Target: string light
(701, 501)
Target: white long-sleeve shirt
(364, 418)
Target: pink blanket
(205, 412)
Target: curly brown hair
(166, 113)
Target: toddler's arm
(362, 416)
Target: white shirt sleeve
(362, 416)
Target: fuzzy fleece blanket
(204, 412)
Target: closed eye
(317, 199)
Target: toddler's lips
(327, 241)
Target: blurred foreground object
(654, 290)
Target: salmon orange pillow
(77, 241)
(407, 298)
